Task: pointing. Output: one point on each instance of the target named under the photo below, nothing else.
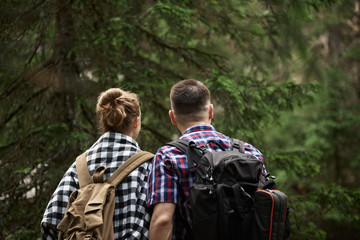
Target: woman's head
(118, 111)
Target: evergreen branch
(155, 132)
(85, 111)
(185, 52)
(9, 90)
(21, 106)
(4, 147)
(28, 11)
(152, 64)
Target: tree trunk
(64, 57)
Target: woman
(119, 118)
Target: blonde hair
(116, 109)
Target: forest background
(284, 76)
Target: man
(170, 179)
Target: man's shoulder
(167, 150)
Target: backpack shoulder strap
(128, 166)
(180, 144)
(236, 143)
(190, 149)
(83, 171)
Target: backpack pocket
(269, 215)
(205, 214)
(235, 211)
(71, 225)
(93, 212)
(222, 211)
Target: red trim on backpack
(287, 203)
(272, 211)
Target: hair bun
(116, 109)
(119, 100)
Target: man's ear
(172, 117)
(211, 111)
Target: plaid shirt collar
(198, 128)
(117, 138)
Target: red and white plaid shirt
(170, 179)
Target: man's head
(190, 103)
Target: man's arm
(162, 221)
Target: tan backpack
(90, 210)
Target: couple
(149, 202)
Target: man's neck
(182, 128)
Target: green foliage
(333, 204)
(250, 104)
(283, 76)
(318, 165)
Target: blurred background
(284, 76)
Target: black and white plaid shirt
(131, 220)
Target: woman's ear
(172, 117)
(136, 122)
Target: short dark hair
(189, 96)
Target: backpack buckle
(88, 237)
(236, 145)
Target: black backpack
(231, 198)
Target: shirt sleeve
(162, 180)
(136, 224)
(48, 232)
(56, 207)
